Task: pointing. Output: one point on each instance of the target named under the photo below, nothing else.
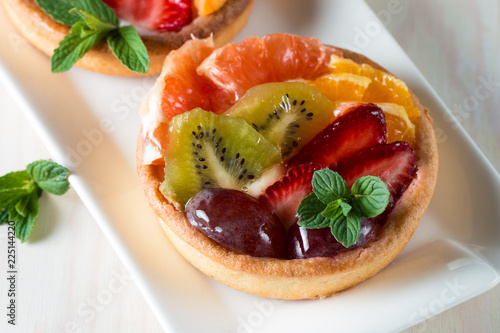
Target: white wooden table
(69, 278)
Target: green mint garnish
(332, 204)
(123, 42)
(20, 191)
(370, 196)
(91, 21)
(74, 46)
(58, 11)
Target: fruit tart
(266, 160)
(163, 25)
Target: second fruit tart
(164, 25)
(233, 139)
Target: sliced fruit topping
(343, 86)
(394, 163)
(179, 90)
(156, 15)
(304, 243)
(288, 114)
(238, 221)
(183, 88)
(384, 87)
(294, 57)
(358, 129)
(237, 67)
(285, 195)
(208, 150)
(207, 7)
(399, 126)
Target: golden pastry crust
(303, 278)
(45, 34)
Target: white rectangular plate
(90, 123)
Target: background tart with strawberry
(283, 167)
(101, 37)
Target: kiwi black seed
(288, 114)
(209, 150)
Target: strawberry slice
(363, 127)
(394, 163)
(156, 15)
(284, 196)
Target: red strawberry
(285, 195)
(363, 127)
(394, 163)
(158, 15)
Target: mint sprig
(91, 21)
(332, 204)
(20, 191)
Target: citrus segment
(207, 7)
(399, 126)
(275, 58)
(342, 86)
(384, 88)
(294, 57)
(237, 67)
(184, 90)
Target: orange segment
(384, 88)
(342, 86)
(207, 7)
(399, 126)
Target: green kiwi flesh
(289, 114)
(209, 150)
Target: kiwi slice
(289, 114)
(209, 150)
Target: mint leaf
(24, 224)
(13, 186)
(346, 208)
(4, 215)
(309, 212)
(93, 22)
(370, 196)
(73, 47)
(49, 176)
(128, 47)
(97, 8)
(329, 186)
(346, 229)
(332, 210)
(22, 205)
(20, 191)
(58, 11)
(333, 204)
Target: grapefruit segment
(294, 57)
(237, 67)
(275, 58)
